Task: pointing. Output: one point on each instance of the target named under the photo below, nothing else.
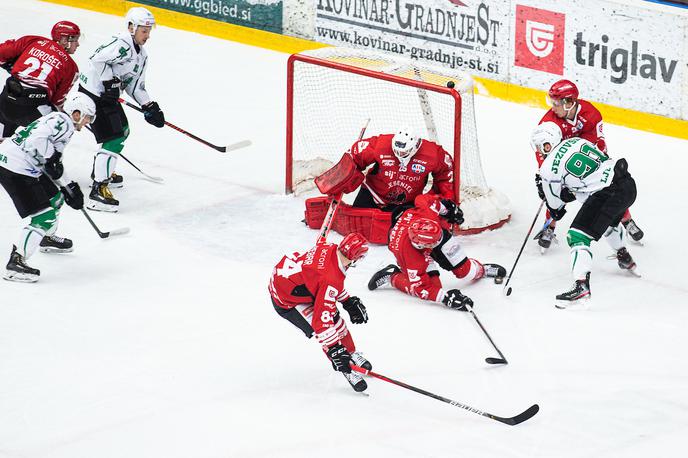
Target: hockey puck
(508, 291)
(499, 280)
(450, 84)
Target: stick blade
(235, 146)
(520, 418)
(116, 232)
(496, 361)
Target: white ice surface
(163, 343)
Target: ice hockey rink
(164, 343)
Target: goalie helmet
(64, 29)
(354, 246)
(82, 103)
(139, 16)
(547, 132)
(425, 233)
(405, 144)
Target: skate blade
(98, 207)
(579, 304)
(634, 272)
(47, 249)
(20, 277)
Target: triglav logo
(539, 38)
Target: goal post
(332, 91)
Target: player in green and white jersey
(574, 169)
(30, 168)
(117, 65)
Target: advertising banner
(257, 14)
(468, 35)
(618, 54)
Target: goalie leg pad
(316, 210)
(372, 223)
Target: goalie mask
(547, 133)
(405, 144)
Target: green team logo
(21, 136)
(3, 159)
(584, 162)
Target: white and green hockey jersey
(118, 58)
(26, 151)
(577, 165)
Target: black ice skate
(580, 291)
(626, 262)
(495, 271)
(545, 238)
(17, 270)
(356, 381)
(382, 277)
(633, 230)
(116, 181)
(101, 199)
(55, 244)
(358, 359)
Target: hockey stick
(101, 234)
(515, 420)
(334, 205)
(508, 291)
(158, 180)
(490, 360)
(222, 149)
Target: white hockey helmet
(405, 144)
(139, 16)
(547, 132)
(82, 103)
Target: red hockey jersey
(41, 62)
(391, 183)
(315, 277)
(587, 124)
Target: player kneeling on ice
(30, 167)
(420, 240)
(305, 289)
(575, 170)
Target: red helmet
(354, 246)
(64, 28)
(425, 233)
(563, 89)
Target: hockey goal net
(333, 92)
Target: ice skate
(545, 238)
(495, 271)
(18, 270)
(116, 180)
(101, 199)
(626, 262)
(356, 381)
(633, 230)
(358, 359)
(383, 277)
(577, 296)
(55, 244)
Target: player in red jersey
(576, 118)
(42, 72)
(421, 240)
(305, 289)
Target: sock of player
(469, 270)
(104, 165)
(616, 237)
(581, 256)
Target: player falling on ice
(420, 241)
(30, 161)
(305, 289)
(574, 169)
(118, 64)
(576, 118)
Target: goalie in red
(576, 118)
(421, 240)
(397, 168)
(305, 289)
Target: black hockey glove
(356, 309)
(567, 196)
(340, 357)
(538, 183)
(454, 214)
(53, 166)
(73, 195)
(556, 214)
(111, 90)
(153, 114)
(454, 299)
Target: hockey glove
(73, 195)
(356, 309)
(557, 214)
(454, 299)
(567, 196)
(153, 114)
(538, 184)
(53, 166)
(340, 358)
(111, 90)
(454, 214)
